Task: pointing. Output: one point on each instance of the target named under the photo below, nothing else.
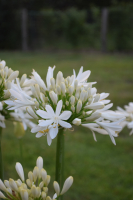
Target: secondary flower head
(35, 187)
(65, 102)
(128, 113)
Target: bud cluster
(35, 187)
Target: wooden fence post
(104, 23)
(24, 30)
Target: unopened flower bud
(72, 100)
(30, 176)
(13, 185)
(48, 198)
(43, 174)
(2, 64)
(94, 116)
(43, 195)
(34, 191)
(82, 95)
(75, 84)
(58, 89)
(97, 97)
(24, 194)
(29, 183)
(45, 189)
(56, 187)
(63, 87)
(31, 112)
(47, 181)
(41, 184)
(52, 81)
(59, 78)
(70, 90)
(39, 162)
(79, 106)
(73, 108)
(67, 103)
(2, 186)
(37, 89)
(13, 75)
(67, 184)
(20, 170)
(35, 173)
(53, 96)
(6, 184)
(2, 196)
(76, 121)
(23, 78)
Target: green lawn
(101, 170)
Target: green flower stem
(59, 174)
(21, 150)
(1, 162)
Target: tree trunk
(104, 23)
(24, 29)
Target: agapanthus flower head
(64, 102)
(128, 113)
(35, 187)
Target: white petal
(39, 162)
(58, 108)
(65, 124)
(49, 140)
(67, 184)
(38, 135)
(50, 110)
(43, 114)
(45, 122)
(65, 115)
(53, 132)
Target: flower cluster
(35, 187)
(7, 78)
(128, 113)
(64, 102)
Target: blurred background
(98, 35)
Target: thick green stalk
(1, 161)
(21, 150)
(59, 174)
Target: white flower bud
(2, 64)
(43, 174)
(76, 121)
(43, 195)
(53, 96)
(8, 85)
(41, 184)
(39, 162)
(82, 95)
(97, 97)
(24, 194)
(7, 94)
(59, 78)
(75, 84)
(34, 191)
(10, 71)
(35, 173)
(48, 198)
(13, 75)
(18, 182)
(70, 90)
(47, 181)
(63, 87)
(30, 176)
(6, 183)
(58, 89)
(67, 184)
(45, 189)
(29, 183)
(33, 91)
(94, 116)
(2, 186)
(73, 108)
(23, 78)
(79, 106)
(38, 192)
(52, 81)
(20, 170)
(2, 196)
(67, 103)
(94, 106)
(37, 104)
(13, 185)
(90, 99)
(31, 112)
(56, 187)
(24, 186)
(89, 92)
(72, 100)
(9, 190)
(37, 89)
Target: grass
(101, 170)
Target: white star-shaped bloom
(54, 118)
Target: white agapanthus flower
(35, 187)
(128, 113)
(64, 102)
(9, 80)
